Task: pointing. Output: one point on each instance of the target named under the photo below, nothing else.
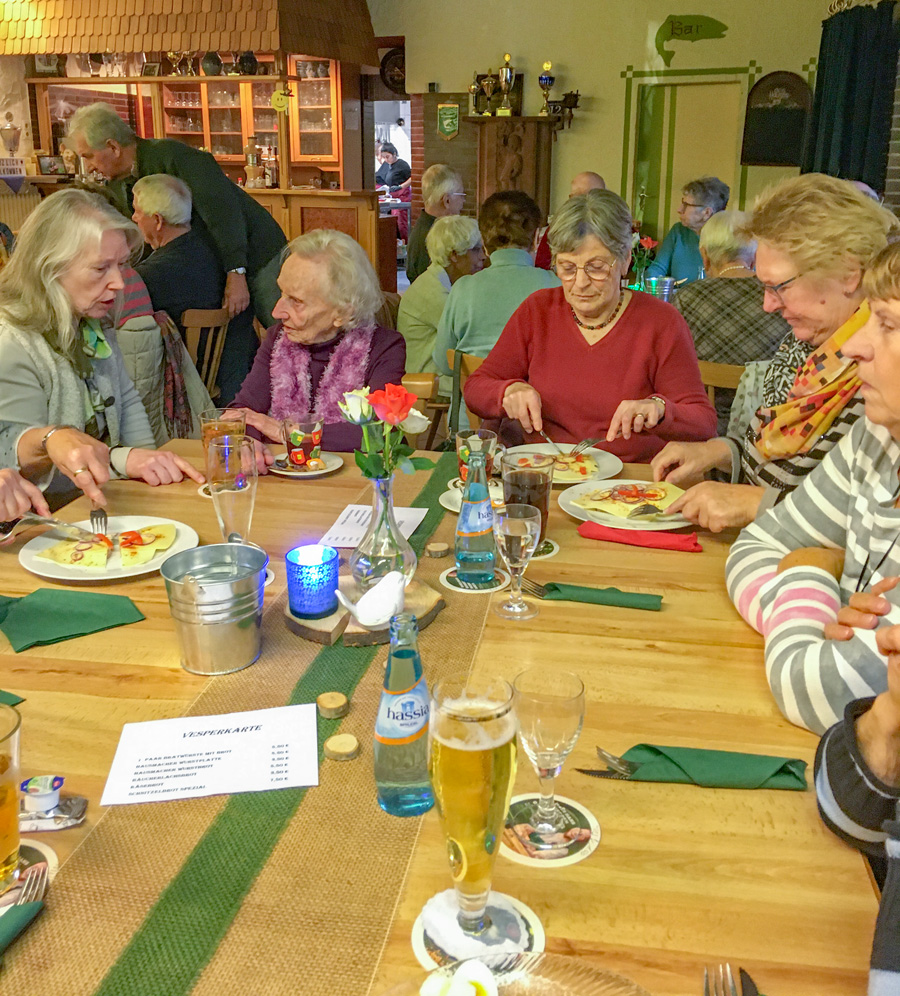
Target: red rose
(648, 243)
(392, 405)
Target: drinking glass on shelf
(550, 709)
(303, 437)
(232, 475)
(472, 765)
(221, 422)
(516, 530)
(475, 439)
(528, 480)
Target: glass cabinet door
(264, 118)
(183, 113)
(313, 112)
(226, 134)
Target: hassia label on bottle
(476, 518)
(402, 716)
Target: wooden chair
(386, 316)
(425, 387)
(204, 334)
(467, 365)
(721, 375)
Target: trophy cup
(507, 78)
(474, 87)
(489, 84)
(545, 82)
(11, 133)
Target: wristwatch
(239, 269)
(662, 403)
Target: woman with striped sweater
(815, 235)
(818, 573)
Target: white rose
(415, 422)
(355, 407)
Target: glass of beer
(475, 439)
(472, 764)
(528, 480)
(10, 721)
(221, 422)
(303, 438)
(232, 475)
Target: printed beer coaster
(203, 490)
(437, 938)
(522, 844)
(449, 580)
(549, 548)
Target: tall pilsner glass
(472, 764)
(231, 472)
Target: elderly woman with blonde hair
(69, 413)
(455, 248)
(815, 237)
(324, 343)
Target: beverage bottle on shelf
(401, 726)
(474, 528)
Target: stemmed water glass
(232, 475)
(550, 708)
(516, 531)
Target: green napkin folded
(716, 768)
(15, 920)
(10, 698)
(603, 596)
(50, 615)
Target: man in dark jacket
(245, 235)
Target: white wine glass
(550, 709)
(232, 476)
(516, 532)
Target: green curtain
(851, 119)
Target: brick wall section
(81, 96)
(417, 142)
(892, 180)
(461, 152)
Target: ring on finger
(80, 470)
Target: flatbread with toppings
(623, 499)
(141, 546)
(581, 467)
(135, 548)
(79, 554)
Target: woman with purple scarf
(325, 341)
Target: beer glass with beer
(472, 765)
(10, 722)
(221, 422)
(232, 475)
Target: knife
(748, 986)
(66, 529)
(603, 773)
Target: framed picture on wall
(44, 65)
(150, 69)
(52, 165)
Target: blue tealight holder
(312, 577)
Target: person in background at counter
(245, 235)
(395, 173)
(581, 184)
(443, 196)
(183, 272)
(679, 254)
(325, 342)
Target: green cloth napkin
(10, 698)
(15, 920)
(603, 596)
(716, 768)
(50, 615)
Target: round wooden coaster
(332, 705)
(341, 747)
(437, 549)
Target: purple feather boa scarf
(292, 381)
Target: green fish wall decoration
(686, 27)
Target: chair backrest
(466, 364)
(386, 316)
(725, 375)
(204, 334)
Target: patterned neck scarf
(93, 347)
(825, 382)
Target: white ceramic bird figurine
(376, 607)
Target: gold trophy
(474, 87)
(545, 82)
(489, 85)
(507, 79)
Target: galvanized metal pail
(663, 287)
(216, 598)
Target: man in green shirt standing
(246, 237)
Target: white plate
(185, 539)
(333, 462)
(608, 464)
(452, 499)
(604, 518)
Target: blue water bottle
(401, 727)
(474, 527)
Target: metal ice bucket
(216, 598)
(663, 287)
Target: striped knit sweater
(846, 503)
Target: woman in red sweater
(591, 359)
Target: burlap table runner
(290, 891)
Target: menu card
(351, 525)
(214, 755)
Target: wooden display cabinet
(315, 113)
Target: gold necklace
(602, 325)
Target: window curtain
(851, 119)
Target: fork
(533, 588)
(585, 444)
(99, 521)
(723, 983)
(617, 763)
(34, 884)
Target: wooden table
(682, 876)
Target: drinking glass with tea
(528, 480)
(303, 439)
(475, 439)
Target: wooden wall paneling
(340, 218)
